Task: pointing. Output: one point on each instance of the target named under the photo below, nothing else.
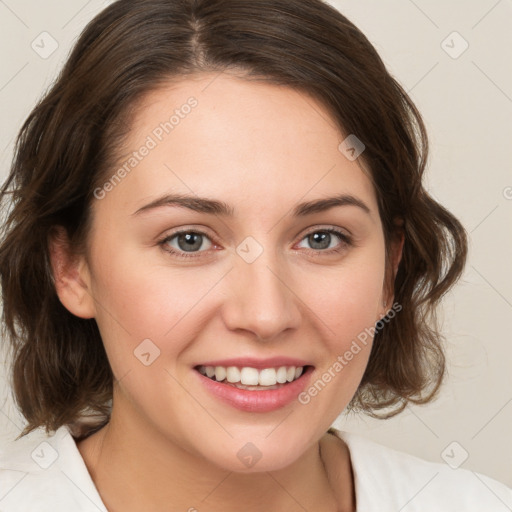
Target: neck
(156, 472)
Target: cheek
(348, 313)
(139, 299)
(348, 300)
(348, 303)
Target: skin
(170, 445)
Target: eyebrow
(216, 207)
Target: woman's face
(263, 287)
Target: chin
(241, 455)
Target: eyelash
(345, 239)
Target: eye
(323, 240)
(186, 241)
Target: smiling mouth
(253, 379)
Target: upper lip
(251, 362)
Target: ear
(394, 258)
(71, 275)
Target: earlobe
(71, 275)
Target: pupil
(191, 241)
(322, 238)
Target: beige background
(467, 105)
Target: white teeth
(233, 374)
(267, 377)
(220, 373)
(248, 376)
(281, 375)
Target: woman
(219, 241)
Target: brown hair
(65, 148)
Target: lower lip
(257, 401)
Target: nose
(261, 298)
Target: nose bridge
(260, 299)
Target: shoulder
(387, 479)
(46, 473)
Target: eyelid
(198, 229)
(325, 227)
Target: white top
(40, 473)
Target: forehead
(224, 136)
